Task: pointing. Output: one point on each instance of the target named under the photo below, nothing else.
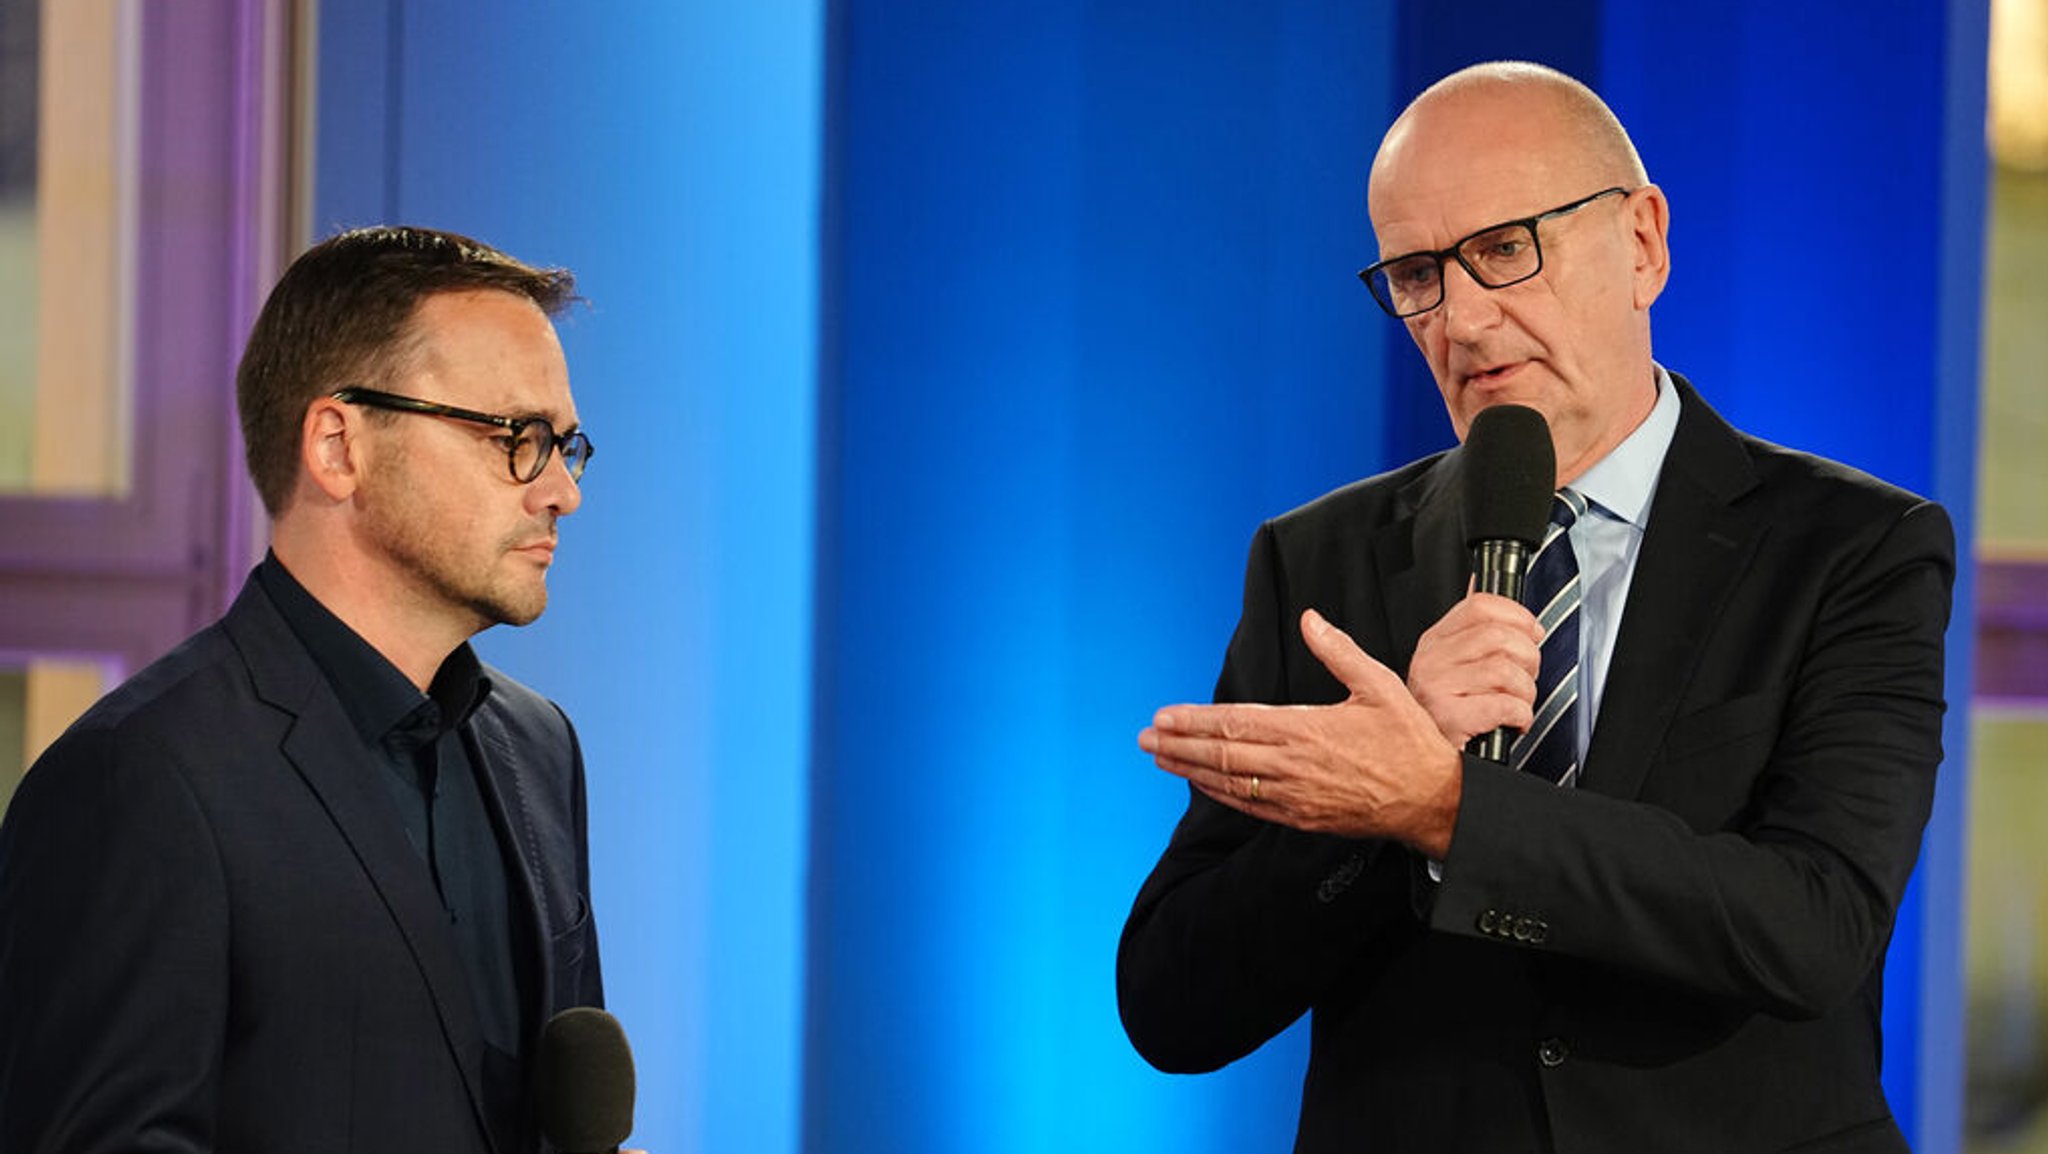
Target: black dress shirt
(416, 744)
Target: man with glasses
(1672, 936)
(316, 880)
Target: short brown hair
(341, 315)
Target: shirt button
(1552, 1052)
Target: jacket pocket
(567, 953)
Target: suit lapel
(322, 747)
(1697, 545)
(1422, 558)
(498, 761)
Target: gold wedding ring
(1254, 794)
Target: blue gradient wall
(1093, 317)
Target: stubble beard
(444, 571)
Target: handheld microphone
(583, 1082)
(1508, 471)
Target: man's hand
(1475, 669)
(1374, 765)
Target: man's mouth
(1491, 375)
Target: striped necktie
(1550, 747)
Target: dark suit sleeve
(1242, 922)
(113, 956)
(1827, 769)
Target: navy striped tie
(1550, 747)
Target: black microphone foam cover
(583, 1082)
(1510, 470)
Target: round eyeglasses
(1496, 257)
(529, 441)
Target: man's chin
(512, 611)
(523, 614)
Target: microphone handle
(1492, 746)
(1498, 567)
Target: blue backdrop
(943, 358)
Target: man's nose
(555, 488)
(1467, 305)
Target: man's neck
(384, 610)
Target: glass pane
(13, 731)
(36, 704)
(65, 72)
(2006, 949)
(19, 77)
(2012, 519)
(2006, 939)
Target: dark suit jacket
(215, 936)
(1683, 953)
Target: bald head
(1552, 121)
(1527, 149)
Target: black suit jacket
(215, 936)
(1682, 954)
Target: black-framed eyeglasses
(1496, 256)
(529, 441)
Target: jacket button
(1487, 921)
(1552, 1052)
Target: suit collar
(1621, 483)
(1423, 560)
(498, 754)
(375, 695)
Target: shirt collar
(1622, 482)
(380, 701)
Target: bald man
(1667, 930)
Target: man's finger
(1234, 792)
(1183, 755)
(1261, 724)
(1344, 659)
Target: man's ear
(1650, 224)
(329, 455)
